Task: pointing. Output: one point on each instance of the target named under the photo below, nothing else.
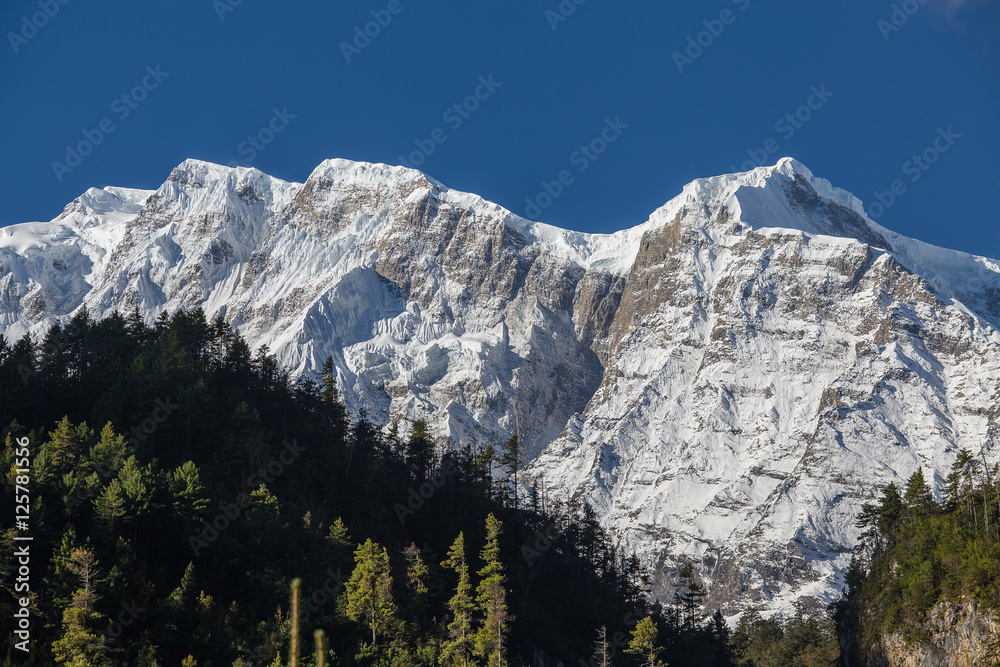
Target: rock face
(957, 635)
(724, 383)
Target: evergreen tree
(918, 497)
(961, 483)
(890, 508)
(340, 542)
(484, 462)
(330, 394)
(420, 451)
(602, 649)
(513, 456)
(369, 590)
(82, 644)
(328, 382)
(110, 452)
(417, 574)
(643, 643)
(182, 596)
(67, 443)
(459, 647)
(187, 492)
(110, 505)
(692, 600)
(491, 596)
(139, 489)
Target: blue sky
(631, 100)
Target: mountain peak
(377, 174)
(783, 196)
(723, 383)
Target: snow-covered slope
(725, 383)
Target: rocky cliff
(954, 635)
(724, 383)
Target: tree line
(181, 482)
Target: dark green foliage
(214, 480)
(802, 641)
(928, 553)
(644, 645)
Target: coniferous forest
(916, 553)
(179, 483)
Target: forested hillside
(178, 482)
(918, 559)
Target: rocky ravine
(725, 383)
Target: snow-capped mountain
(724, 383)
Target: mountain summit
(724, 383)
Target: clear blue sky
(893, 85)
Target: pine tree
(340, 541)
(110, 451)
(961, 483)
(182, 596)
(632, 578)
(417, 574)
(513, 456)
(491, 596)
(889, 512)
(67, 443)
(187, 491)
(918, 497)
(461, 643)
(869, 540)
(264, 506)
(328, 382)
(81, 643)
(484, 463)
(330, 394)
(719, 628)
(369, 590)
(692, 600)
(110, 505)
(643, 643)
(602, 649)
(420, 450)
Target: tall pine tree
(369, 590)
(459, 647)
(643, 643)
(491, 596)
